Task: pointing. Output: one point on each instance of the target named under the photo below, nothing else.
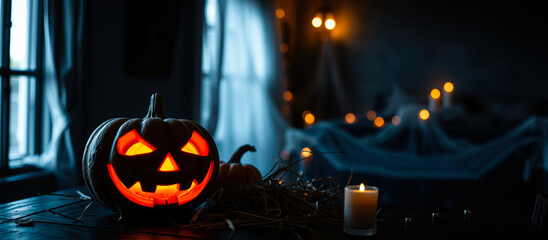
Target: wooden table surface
(49, 217)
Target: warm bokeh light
(371, 115)
(305, 112)
(285, 155)
(288, 96)
(435, 93)
(284, 48)
(309, 118)
(286, 63)
(424, 114)
(448, 87)
(316, 22)
(280, 13)
(330, 24)
(379, 122)
(286, 110)
(350, 118)
(362, 187)
(396, 120)
(306, 152)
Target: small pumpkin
(233, 173)
(150, 164)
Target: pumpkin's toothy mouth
(164, 194)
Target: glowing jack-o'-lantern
(150, 164)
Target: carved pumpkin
(233, 173)
(150, 164)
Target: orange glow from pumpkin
(131, 144)
(424, 114)
(197, 145)
(169, 165)
(190, 148)
(448, 87)
(167, 189)
(164, 194)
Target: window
(241, 78)
(20, 77)
(210, 58)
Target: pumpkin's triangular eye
(131, 144)
(197, 145)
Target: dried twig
(85, 209)
(81, 197)
(282, 199)
(71, 218)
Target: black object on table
(49, 217)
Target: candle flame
(362, 187)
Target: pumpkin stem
(156, 107)
(237, 155)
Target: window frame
(5, 76)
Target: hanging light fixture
(325, 17)
(329, 20)
(317, 20)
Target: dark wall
(494, 50)
(133, 49)
(121, 85)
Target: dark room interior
(437, 107)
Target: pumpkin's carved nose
(169, 164)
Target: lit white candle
(448, 88)
(360, 210)
(434, 100)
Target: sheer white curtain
(62, 31)
(241, 90)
